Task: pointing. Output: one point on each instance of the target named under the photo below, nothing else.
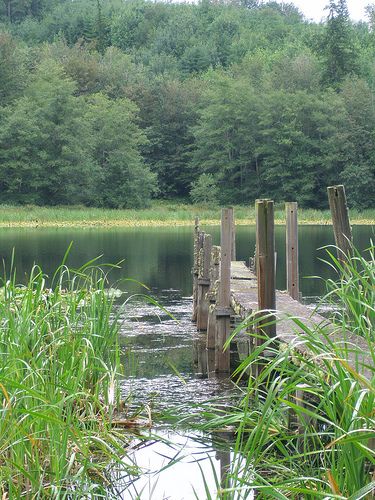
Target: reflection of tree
(160, 258)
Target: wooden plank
(204, 283)
(265, 257)
(225, 258)
(233, 255)
(340, 220)
(222, 358)
(195, 269)
(292, 271)
(211, 295)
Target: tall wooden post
(204, 282)
(233, 251)
(223, 310)
(292, 273)
(214, 279)
(265, 262)
(340, 220)
(197, 244)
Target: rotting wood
(195, 269)
(340, 220)
(212, 295)
(292, 272)
(265, 264)
(204, 282)
(222, 363)
(233, 252)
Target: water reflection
(175, 466)
(174, 374)
(165, 359)
(161, 258)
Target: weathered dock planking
(232, 292)
(244, 302)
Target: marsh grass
(159, 213)
(305, 426)
(59, 367)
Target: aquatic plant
(59, 366)
(307, 422)
(160, 213)
(305, 427)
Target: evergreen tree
(341, 57)
(45, 144)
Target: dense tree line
(111, 103)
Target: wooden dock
(227, 292)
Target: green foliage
(239, 90)
(204, 190)
(45, 143)
(58, 384)
(339, 48)
(124, 181)
(13, 68)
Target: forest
(112, 103)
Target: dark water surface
(160, 257)
(163, 357)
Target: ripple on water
(165, 358)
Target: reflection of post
(292, 277)
(223, 302)
(200, 349)
(224, 458)
(204, 282)
(340, 220)
(222, 444)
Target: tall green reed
(59, 365)
(305, 427)
(325, 382)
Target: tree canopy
(111, 103)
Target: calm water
(164, 358)
(161, 257)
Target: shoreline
(158, 214)
(160, 223)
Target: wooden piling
(203, 282)
(233, 223)
(340, 220)
(195, 271)
(292, 272)
(223, 310)
(265, 263)
(211, 295)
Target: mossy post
(195, 269)
(223, 310)
(233, 251)
(203, 282)
(340, 221)
(265, 265)
(292, 272)
(212, 293)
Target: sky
(314, 9)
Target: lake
(164, 359)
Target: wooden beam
(292, 271)
(233, 223)
(204, 282)
(212, 292)
(265, 263)
(195, 271)
(340, 220)
(222, 357)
